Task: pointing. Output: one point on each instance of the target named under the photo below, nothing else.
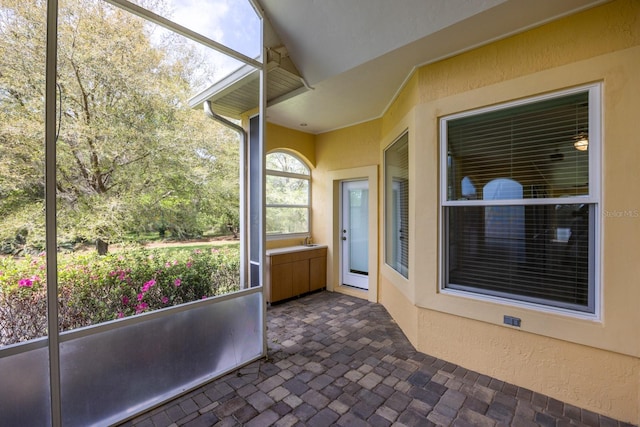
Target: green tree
(131, 155)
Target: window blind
(396, 159)
(519, 222)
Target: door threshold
(353, 291)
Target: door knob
(344, 238)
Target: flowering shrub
(93, 289)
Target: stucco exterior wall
(589, 362)
(351, 153)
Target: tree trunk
(102, 247)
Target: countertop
(298, 248)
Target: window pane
(287, 191)
(532, 144)
(136, 164)
(139, 364)
(532, 253)
(396, 161)
(232, 23)
(284, 162)
(23, 281)
(287, 220)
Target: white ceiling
(356, 54)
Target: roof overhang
(239, 91)
(357, 54)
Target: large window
(396, 170)
(520, 200)
(288, 194)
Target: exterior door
(355, 234)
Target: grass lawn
(192, 246)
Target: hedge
(94, 289)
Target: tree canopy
(131, 155)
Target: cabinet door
(281, 281)
(317, 273)
(300, 277)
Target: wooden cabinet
(318, 272)
(295, 271)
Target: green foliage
(94, 289)
(131, 155)
(287, 194)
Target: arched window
(288, 194)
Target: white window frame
(271, 172)
(593, 311)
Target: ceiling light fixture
(581, 142)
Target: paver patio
(339, 360)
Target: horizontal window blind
(396, 160)
(506, 234)
(540, 253)
(531, 144)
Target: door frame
(369, 173)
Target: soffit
(356, 54)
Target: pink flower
(177, 282)
(35, 278)
(204, 297)
(167, 264)
(125, 301)
(141, 307)
(43, 253)
(197, 251)
(189, 264)
(120, 315)
(165, 300)
(148, 285)
(140, 296)
(175, 262)
(25, 283)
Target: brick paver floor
(337, 360)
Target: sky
(230, 22)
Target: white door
(355, 234)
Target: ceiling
(344, 61)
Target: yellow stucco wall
(300, 143)
(589, 362)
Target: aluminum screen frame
(112, 373)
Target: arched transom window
(288, 194)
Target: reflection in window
(468, 189)
(396, 164)
(288, 194)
